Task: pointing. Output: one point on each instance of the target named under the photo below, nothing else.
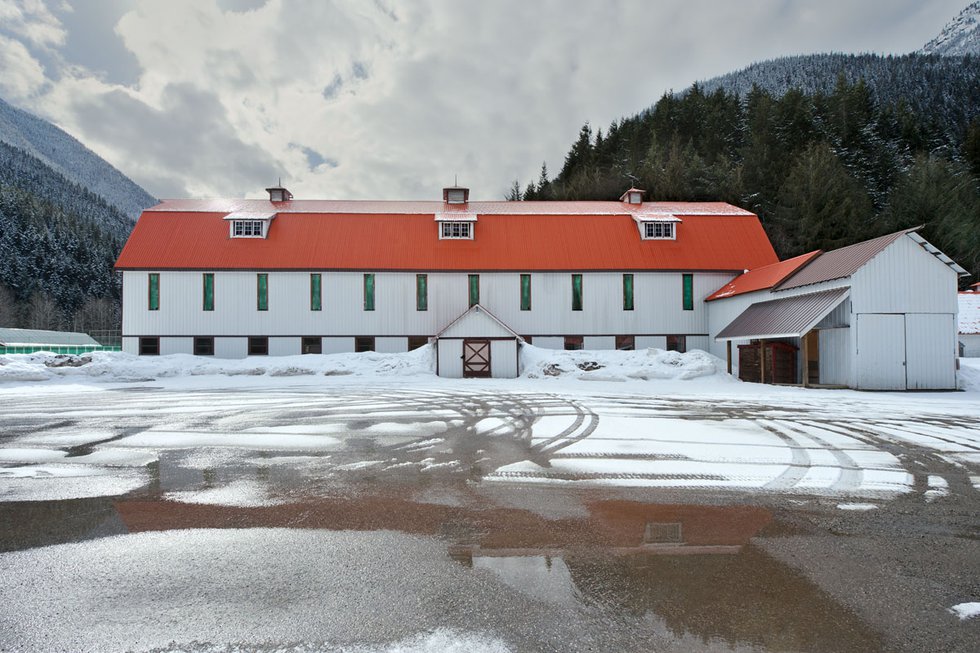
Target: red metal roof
(509, 236)
(764, 277)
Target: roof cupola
(633, 196)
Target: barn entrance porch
(477, 345)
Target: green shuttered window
(316, 302)
(208, 291)
(576, 292)
(688, 284)
(154, 292)
(262, 286)
(525, 292)
(368, 292)
(474, 290)
(421, 292)
(627, 292)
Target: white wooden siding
(835, 356)
(599, 342)
(450, 354)
(930, 352)
(390, 345)
(657, 301)
(285, 346)
(503, 359)
(904, 278)
(880, 356)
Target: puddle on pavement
(688, 573)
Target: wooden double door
(476, 358)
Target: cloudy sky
(384, 99)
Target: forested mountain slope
(64, 154)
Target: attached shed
(477, 345)
(969, 323)
(877, 315)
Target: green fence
(57, 349)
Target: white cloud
(396, 101)
(22, 75)
(31, 20)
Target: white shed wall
(450, 354)
(390, 345)
(835, 356)
(971, 345)
(503, 359)
(549, 342)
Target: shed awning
(790, 317)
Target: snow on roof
(969, 317)
(18, 337)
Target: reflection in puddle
(686, 573)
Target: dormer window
(658, 230)
(249, 224)
(247, 228)
(657, 227)
(462, 230)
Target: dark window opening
(258, 346)
(149, 346)
(204, 346)
(312, 345)
(625, 343)
(262, 291)
(688, 292)
(316, 291)
(421, 292)
(153, 298)
(414, 342)
(574, 343)
(527, 339)
(677, 343)
(525, 292)
(363, 343)
(368, 292)
(576, 292)
(474, 290)
(209, 291)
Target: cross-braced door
(476, 358)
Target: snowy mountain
(65, 155)
(945, 88)
(960, 37)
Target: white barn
(877, 315)
(233, 278)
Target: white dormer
(456, 226)
(249, 224)
(633, 196)
(279, 194)
(658, 227)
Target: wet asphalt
(377, 556)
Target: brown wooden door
(476, 359)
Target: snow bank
(611, 365)
(112, 366)
(970, 374)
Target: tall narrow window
(208, 291)
(154, 292)
(627, 292)
(421, 292)
(688, 292)
(368, 292)
(576, 292)
(474, 290)
(525, 292)
(316, 303)
(262, 288)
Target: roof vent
(278, 193)
(633, 196)
(455, 195)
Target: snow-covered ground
(643, 419)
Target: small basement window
(312, 345)
(258, 346)
(677, 343)
(414, 342)
(363, 343)
(456, 230)
(204, 346)
(574, 343)
(659, 231)
(149, 346)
